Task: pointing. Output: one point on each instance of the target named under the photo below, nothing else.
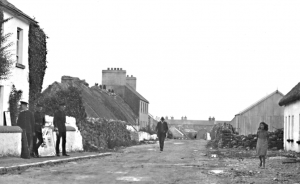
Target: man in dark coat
(162, 129)
(39, 118)
(27, 124)
(59, 122)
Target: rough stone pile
(223, 136)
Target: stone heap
(223, 136)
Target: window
(286, 129)
(292, 128)
(19, 44)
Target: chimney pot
(107, 68)
(131, 75)
(117, 68)
(112, 69)
(120, 68)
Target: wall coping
(17, 129)
(68, 128)
(10, 129)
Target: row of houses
(134, 107)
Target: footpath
(15, 164)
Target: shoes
(66, 155)
(57, 154)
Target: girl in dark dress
(262, 143)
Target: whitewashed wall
(11, 144)
(291, 126)
(73, 139)
(18, 77)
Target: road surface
(182, 161)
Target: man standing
(26, 122)
(161, 129)
(59, 122)
(39, 118)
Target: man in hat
(59, 122)
(161, 129)
(27, 123)
(39, 118)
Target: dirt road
(182, 161)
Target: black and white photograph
(149, 91)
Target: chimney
(120, 68)
(185, 118)
(107, 68)
(117, 68)
(172, 118)
(131, 75)
(166, 117)
(209, 119)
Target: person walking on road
(27, 124)
(161, 129)
(262, 143)
(39, 118)
(59, 122)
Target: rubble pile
(223, 136)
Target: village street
(183, 161)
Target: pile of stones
(223, 136)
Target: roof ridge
(259, 101)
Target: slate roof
(260, 101)
(291, 96)
(11, 7)
(136, 93)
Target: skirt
(261, 147)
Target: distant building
(266, 110)
(19, 27)
(125, 86)
(187, 126)
(152, 122)
(291, 103)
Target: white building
(19, 27)
(291, 103)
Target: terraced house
(18, 26)
(124, 85)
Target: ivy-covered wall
(14, 98)
(37, 53)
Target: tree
(5, 56)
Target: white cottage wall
(19, 76)
(292, 129)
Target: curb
(6, 170)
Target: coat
(39, 121)
(162, 128)
(59, 121)
(26, 121)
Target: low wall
(73, 140)
(10, 141)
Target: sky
(193, 58)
